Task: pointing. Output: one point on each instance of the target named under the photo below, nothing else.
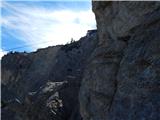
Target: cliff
(122, 80)
(44, 85)
(110, 74)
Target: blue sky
(38, 24)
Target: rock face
(115, 73)
(44, 85)
(122, 79)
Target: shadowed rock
(121, 80)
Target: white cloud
(2, 53)
(50, 27)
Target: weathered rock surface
(118, 75)
(122, 79)
(29, 81)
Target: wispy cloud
(48, 26)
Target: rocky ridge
(110, 74)
(44, 85)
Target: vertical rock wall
(122, 81)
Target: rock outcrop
(122, 81)
(113, 73)
(30, 81)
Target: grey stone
(36, 78)
(121, 81)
